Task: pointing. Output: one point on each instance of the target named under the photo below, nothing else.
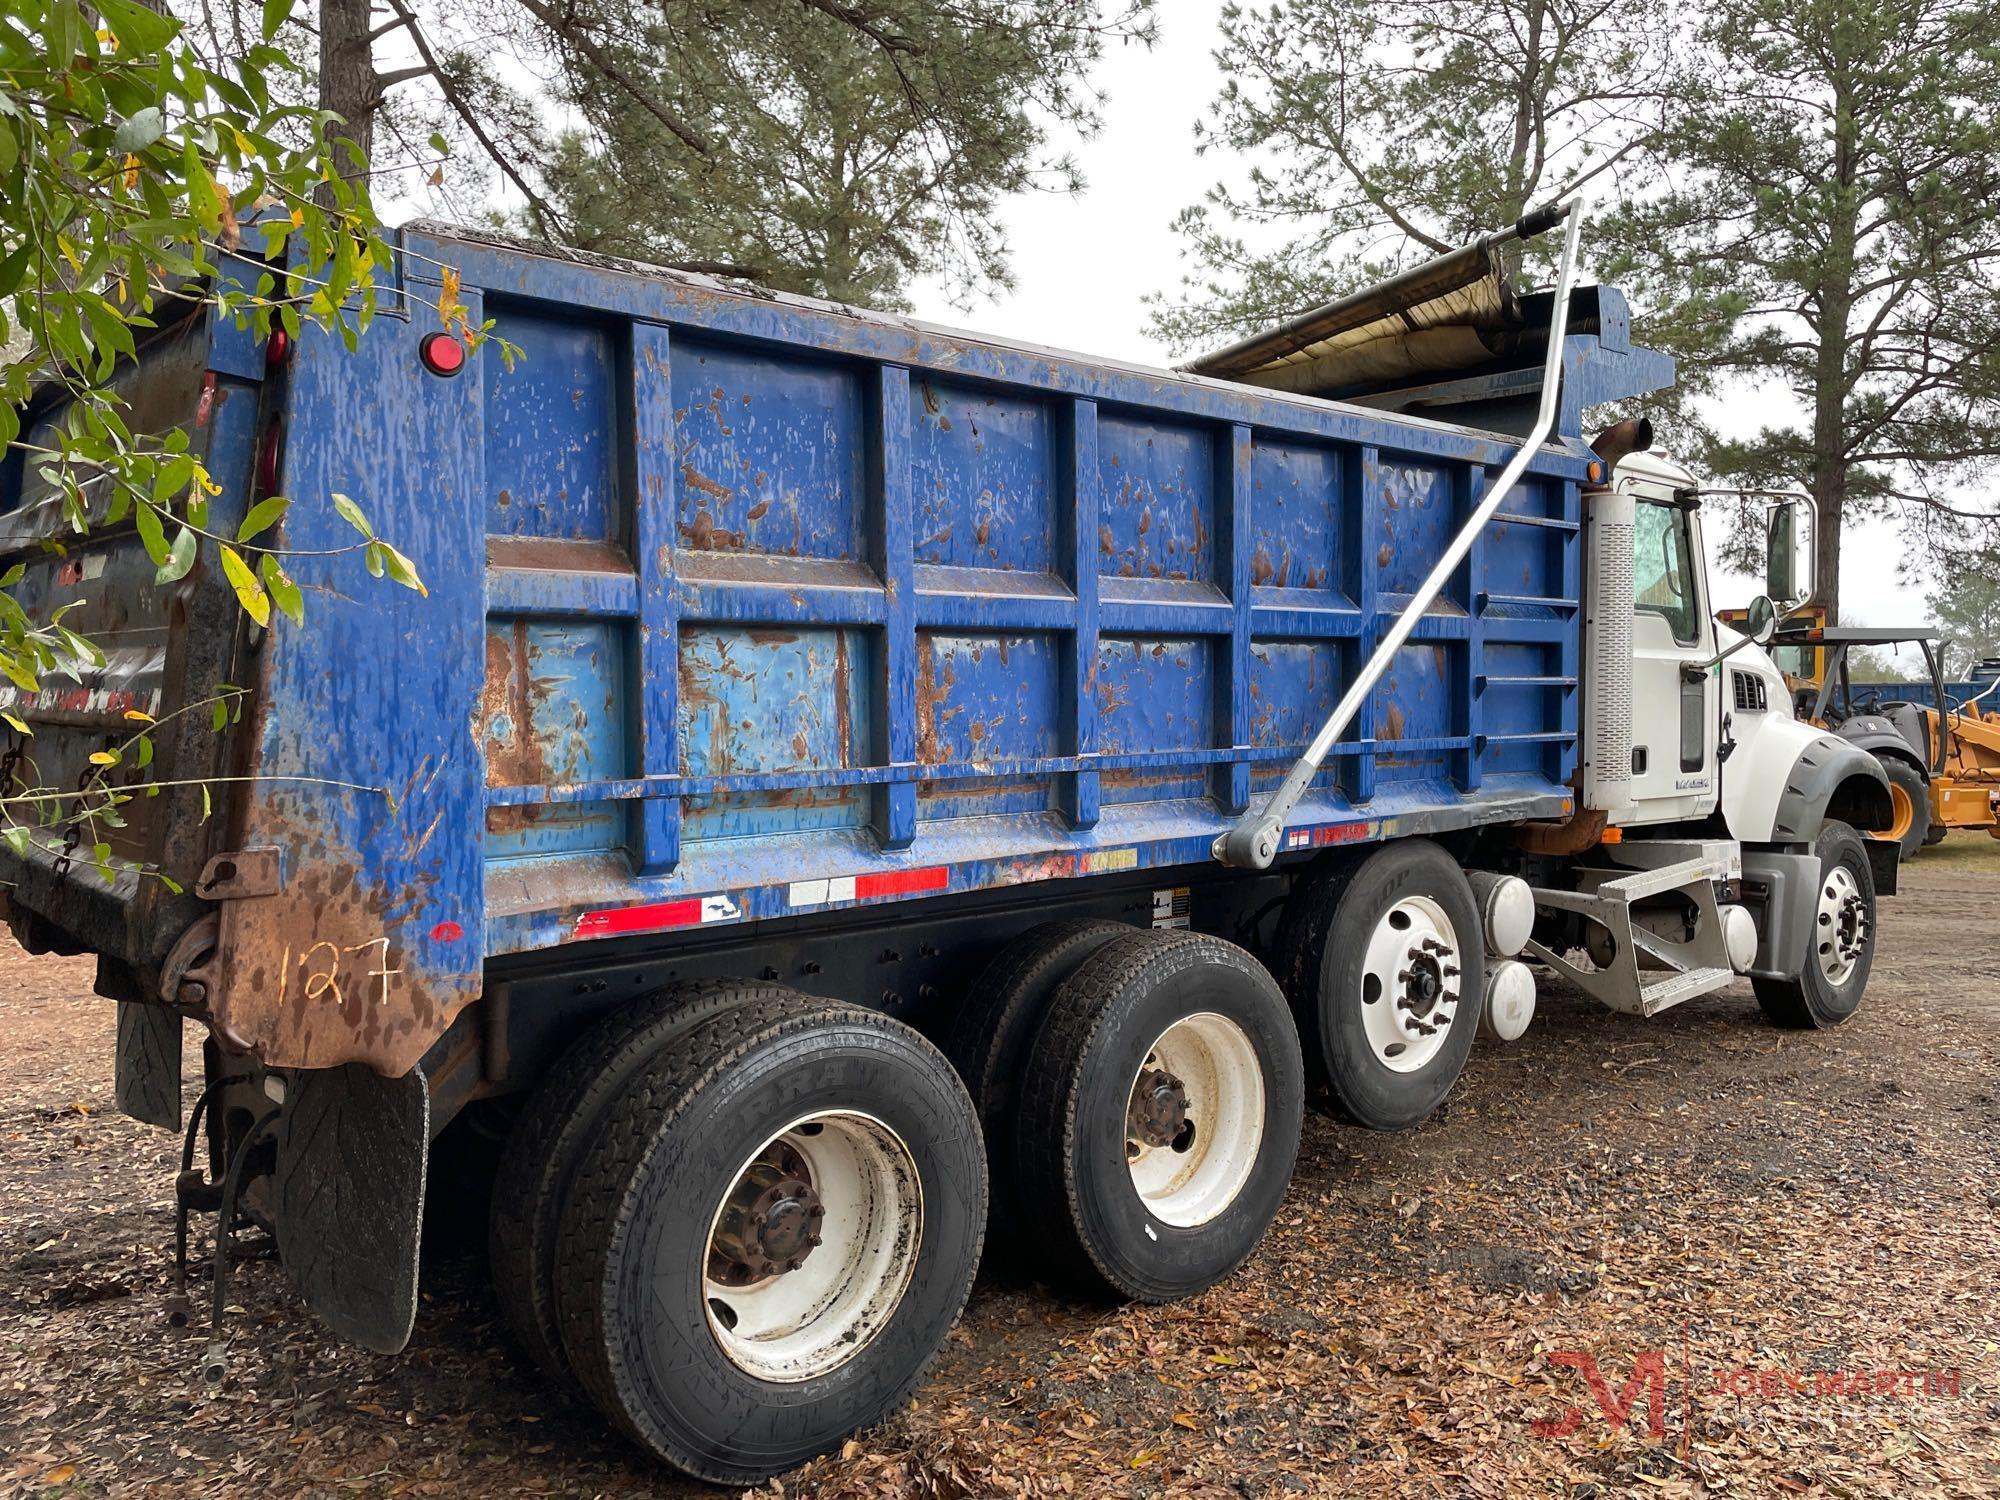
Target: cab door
(1674, 699)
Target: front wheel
(1840, 947)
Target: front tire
(1840, 949)
(771, 1237)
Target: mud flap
(1885, 858)
(147, 1078)
(353, 1147)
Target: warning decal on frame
(1170, 907)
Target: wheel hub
(1158, 1113)
(1425, 1005)
(1843, 926)
(770, 1222)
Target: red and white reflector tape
(869, 887)
(1328, 833)
(657, 916)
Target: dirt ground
(1794, 1234)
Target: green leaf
(263, 515)
(15, 266)
(180, 558)
(249, 592)
(17, 840)
(137, 132)
(152, 536)
(351, 514)
(402, 569)
(275, 12)
(138, 29)
(142, 747)
(284, 593)
(203, 200)
(218, 716)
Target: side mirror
(1761, 620)
(1788, 551)
(1760, 625)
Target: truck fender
(1787, 778)
(1831, 779)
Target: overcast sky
(1082, 264)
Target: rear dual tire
(1159, 1116)
(767, 1234)
(989, 1037)
(550, 1138)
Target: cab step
(1686, 985)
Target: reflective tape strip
(1103, 861)
(1329, 833)
(868, 887)
(657, 916)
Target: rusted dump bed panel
(743, 607)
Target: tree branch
(544, 213)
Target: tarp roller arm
(1253, 843)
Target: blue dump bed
(744, 607)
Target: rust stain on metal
(1393, 720)
(1260, 566)
(758, 511)
(843, 713)
(930, 693)
(315, 977)
(704, 535)
(701, 484)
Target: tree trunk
(1830, 377)
(348, 84)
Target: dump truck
(853, 789)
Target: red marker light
(270, 460)
(277, 347)
(442, 354)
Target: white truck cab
(1716, 835)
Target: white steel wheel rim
(807, 1320)
(1208, 1066)
(1840, 930)
(1411, 984)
